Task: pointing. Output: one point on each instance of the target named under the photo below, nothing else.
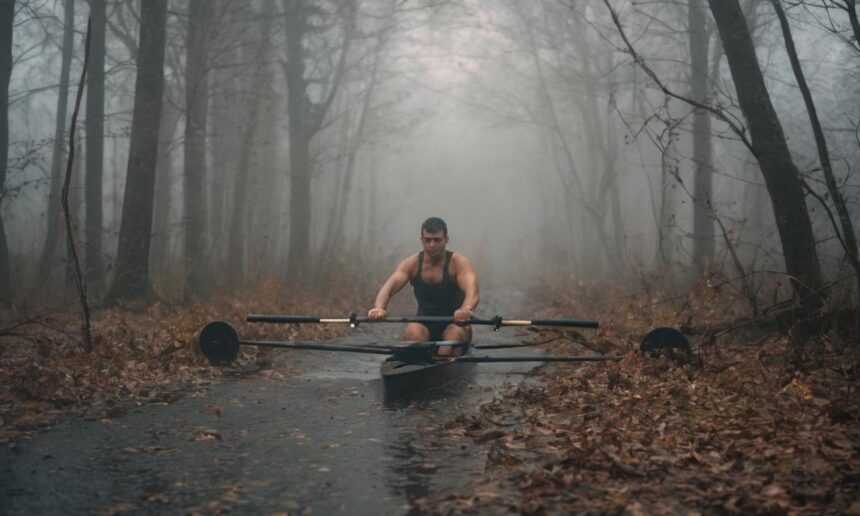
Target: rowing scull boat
(417, 367)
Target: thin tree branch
(80, 281)
(639, 60)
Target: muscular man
(444, 283)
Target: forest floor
(141, 354)
(743, 427)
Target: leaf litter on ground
(739, 430)
(141, 354)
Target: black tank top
(437, 299)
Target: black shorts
(436, 329)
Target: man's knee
(458, 333)
(416, 331)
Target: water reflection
(418, 457)
(411, 471)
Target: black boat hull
(402, 381)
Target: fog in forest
(306, 141)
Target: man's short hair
(434, 225)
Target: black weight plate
(219, 342)
(664, 339)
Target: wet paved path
(318, 439)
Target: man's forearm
(470, 302)
(382, 298)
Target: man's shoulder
(459, 259)
(410, 261)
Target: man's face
(434, 243)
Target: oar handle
(496, 322)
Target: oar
(353, 320)
(509, 346)
(220, 343)
(657, 341)
(358, 348)
(502, 346)
(580, 358)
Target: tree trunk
(305, 121)
(196, 100)
(55, 224)
(771, 151)
(343, 145)
(703, 224)
(370, 231)
(300, 206)
(668, 205)
(616, 221)
(75, 207)
(609, 187)
(161, 259)
(7, 15)
(340, 208)
(95, 148)
(849, 241)
(298, 112)
(132, 262)
(265, 218)
(238, 237)
(851, 7)
(594, 222)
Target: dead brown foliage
(142, 354)
(740, 430)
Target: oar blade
(575, 323)
(219, 342)
(665, 340)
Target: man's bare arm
(467, 280)
(392, 285)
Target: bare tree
(131, 278)
(832, 19)
(352, 144)
(771, 151)
(54, 229)
(306, 115)
(7, 15)
(196, 103)
(847, 238)
(94, 127)
(261, 79)
(667, 223)
(74, 265)
(562, 89)
(767, 143)
(703, 224)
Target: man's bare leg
(457, 333)
(417, 332)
